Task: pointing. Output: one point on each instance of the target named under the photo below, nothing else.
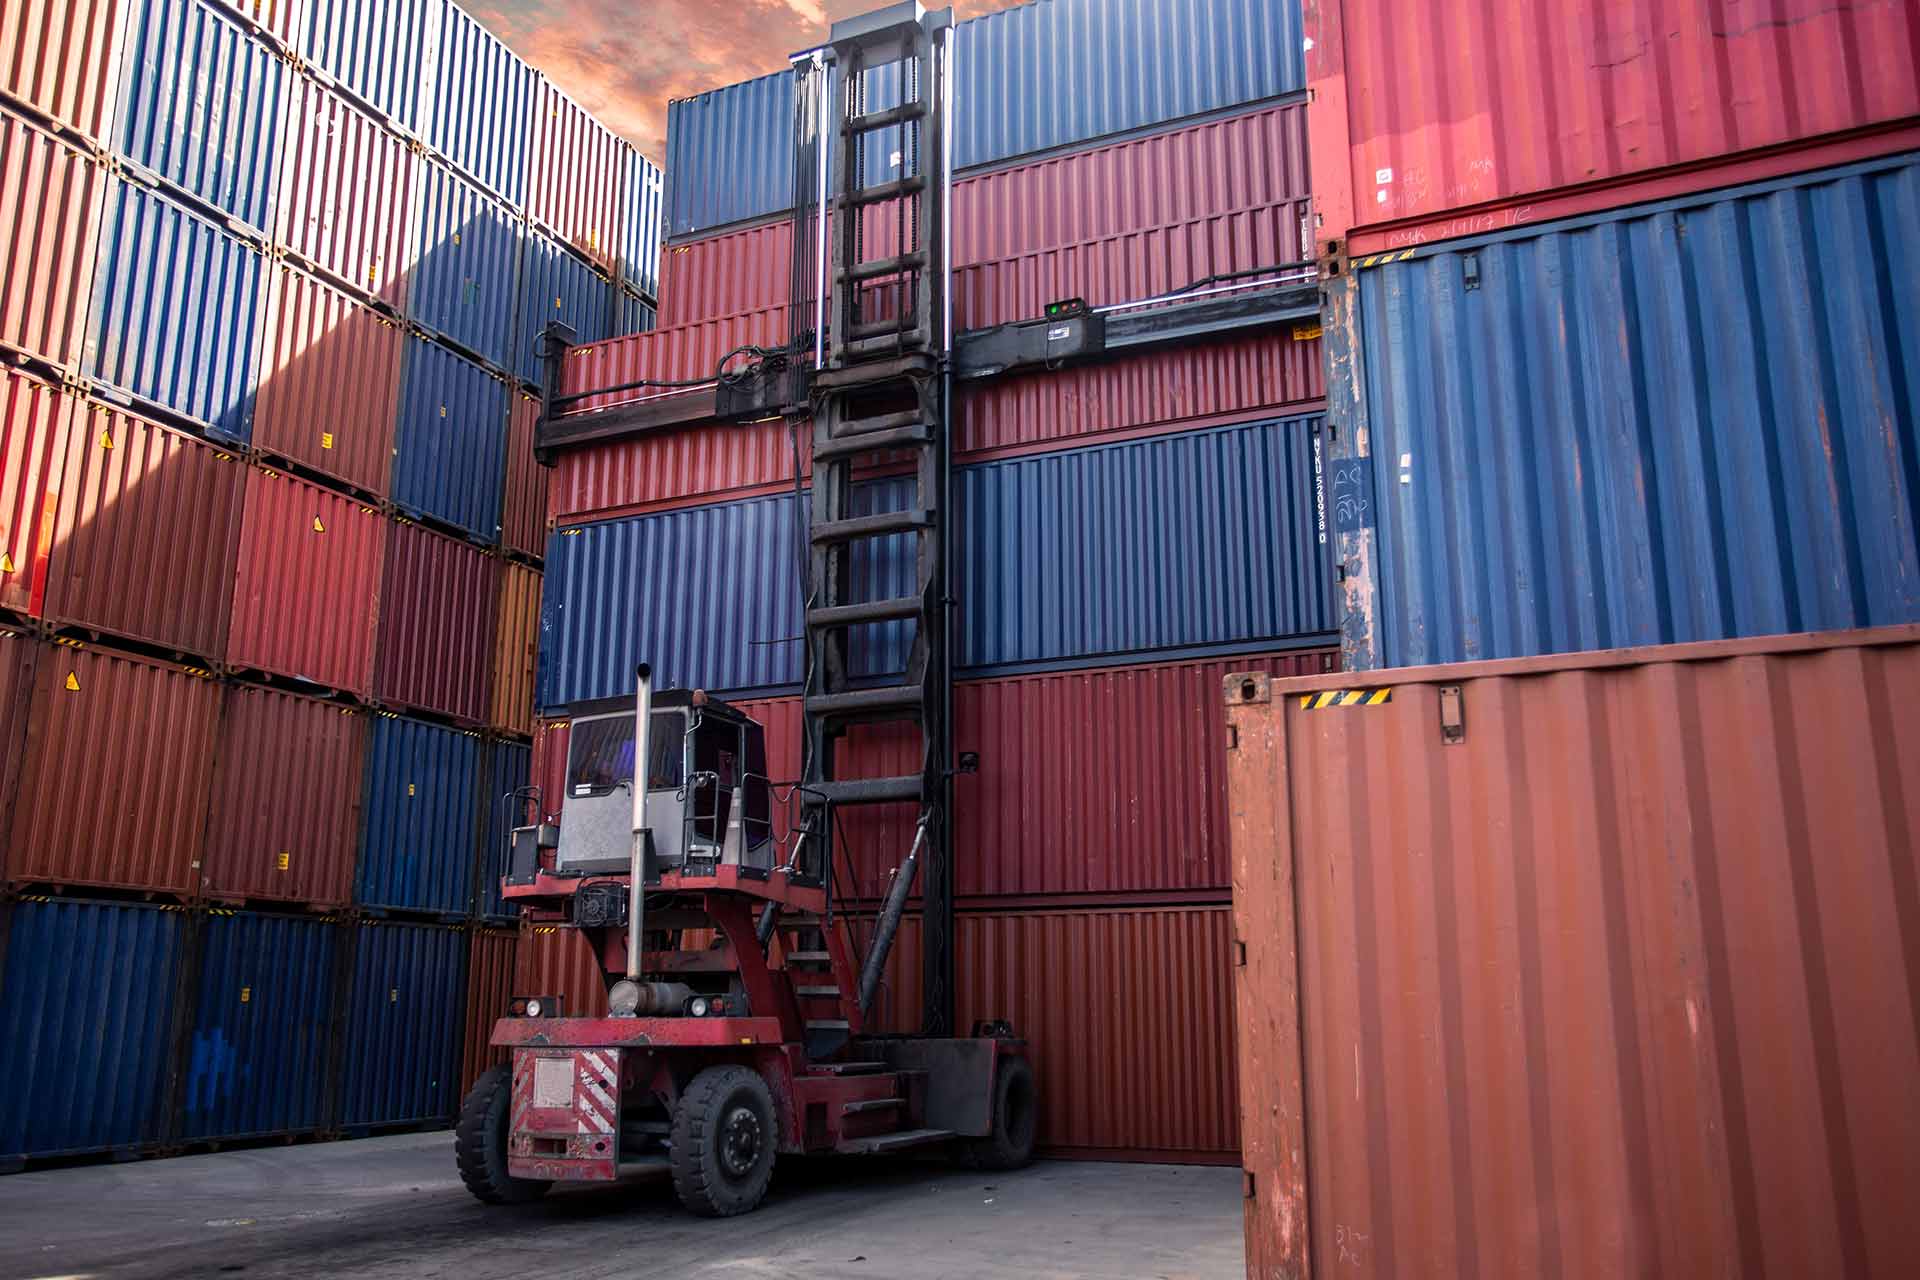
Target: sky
(623, 60)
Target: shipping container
(576, 176)
(60, 59)
(52, 196)
(375, 49)
(642, 221)
(347, 199)
(422, 817)
(515, 640)
(1685, 421)
(114, 774)
(34, 421)
(177, 305)
(1510, 104)
(405, 1012)
(263, 1034)
(19, 652)
(306, 595)
(283, 20)
(449, 460)
(329, 382)
(730, 154)
(476, 101)
(491, 956)
(556, 284)
(468, 265)
(201, 107)
(507, 775)
(1600, 963)
(437, 620)
(523, 519)
(284, 823)
(556, 961)
(664, 355)
(148, 534)
(73, 971)
(631, 312)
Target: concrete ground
(395, 1207)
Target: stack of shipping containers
(1126, 534)
(269, 555)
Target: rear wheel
(724, 1141)
(480, 1143)
(1016, 1115)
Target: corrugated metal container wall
(262, 1031)
(1513, 103)
(200, 106)
(730, 154)
(284, 20)
(673, 468)
(34, 418)
(1626, 973)
(51, 197)
(642, 221)
(514, 642)
(148, 534)
(450, 445)
(631, 312)
(347, 197)
(523, 516)
(691, 351)
(375, 48)
(575, 176)
(423, 799)
(508, 769)
(75, 971)
(1128, 1015)
(61, 58)
(438, 609)
(404, 1020)
(467, 267)
(477, 103)
(556, 285)
(115, 773)
(1682, 422)
(555, 960)
(306, 595)
(177, 311)
(285, 819)
(491, 957)
(18, 652)
(329, 382)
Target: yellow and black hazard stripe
(1382, 259)
(1346, 698)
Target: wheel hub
(740, 1139)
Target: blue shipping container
(200, 106)
(177, 311)
(404, 1016)
(633, 314)
(509, 768)
(478, 108)
(1203, 542)
(423, 811)
(450, 444)
(557, 284)
(374, 49)
(642, 214)
(87, 1000)
(1686, 421)
(463, 284)
(262, 1032)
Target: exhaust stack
(637, 860)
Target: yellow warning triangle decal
(6, 563)
(73, 682)
(317, 526)
(106, 439)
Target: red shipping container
(34, 418)
(573, 179)
(115, 774)
(18, 651)
(492, 957)
(329, 383)
(692, 351)
(1507, 102)
(347, 194)
(557, 961)
(148, 532)
(285, 819)
(523, 520)
(515, 641)
(51, 197)
(438, 618)
(61, 59)
(306, 598)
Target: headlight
(697, 1006)
(534, 1008)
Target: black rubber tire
(480, 1143)
(712, 1180)
(1016, 1116)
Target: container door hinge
(1453, 716)
(1246, 1184)
(1239, 954)
(1233, 737)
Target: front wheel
(1016, 1115)
(724, 1141)
(480, 1143)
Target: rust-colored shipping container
(347, 194)
(664, 355)
(329, 383)
(285, 817)
(515, 641)
(306, 595)
(114, 773)
(61, 60)
(492, 958)
(554, 960)
(523, 513)
(148, 532)
(18, 651)
(573, 180)
(1597, 964)
(34, 419)
(51, 197)
(1505, 104)
(437, 620)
